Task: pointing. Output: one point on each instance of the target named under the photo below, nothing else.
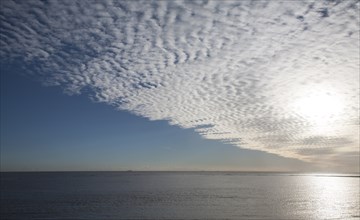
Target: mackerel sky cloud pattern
(255, 74)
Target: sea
(178, 195)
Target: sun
(321, 108)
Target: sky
(180, 85)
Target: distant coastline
(239, 173)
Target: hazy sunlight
(321, 108)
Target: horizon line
(320, 173)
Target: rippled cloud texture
(279, 77)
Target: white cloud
(233, 70)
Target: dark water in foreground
(177, 195)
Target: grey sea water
(178, 195)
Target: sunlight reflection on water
(331, 197)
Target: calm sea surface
(178, 195)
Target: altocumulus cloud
(250, 73)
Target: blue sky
(44, 129)
(163, 85)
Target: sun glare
(320, 108)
